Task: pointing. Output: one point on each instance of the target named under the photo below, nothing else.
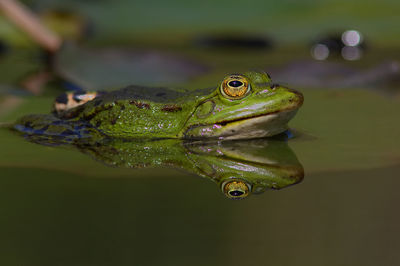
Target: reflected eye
(236, 189)
(235, 87)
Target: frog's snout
(296, 98)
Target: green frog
(243, 106)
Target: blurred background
(171, 43)
(61, 207)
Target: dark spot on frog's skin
(160, 94)
(113, 121)
(70, 113)
(63, 98)
(98, 123)
(120, 104)
(97, 102)
(57, 122)
(114, 150)
(274, 86)
(171, 108)
(45, 128)
(80, 127)
(140, 105)
(67, 132)
(96, 111)
(28, 124)
(37, 132)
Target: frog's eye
(235, 87)
(236, 189)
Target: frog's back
(149, 94)
(137, 111)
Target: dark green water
(333, 218)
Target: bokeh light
(320, 51)
(351, 38)
(351, 53)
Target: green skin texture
(138, 112)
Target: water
(68, 217)
(62, 207)
(342, 218)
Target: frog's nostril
(296, 97)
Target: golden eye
(236, 189)
(235, 87)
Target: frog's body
(244, 106)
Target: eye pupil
(236, 193)
(235, 83)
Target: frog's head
(244, 106)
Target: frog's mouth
(227, 122)
(257, 126)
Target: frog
(242, 106)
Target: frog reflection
(239, 168)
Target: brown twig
(29, 23)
